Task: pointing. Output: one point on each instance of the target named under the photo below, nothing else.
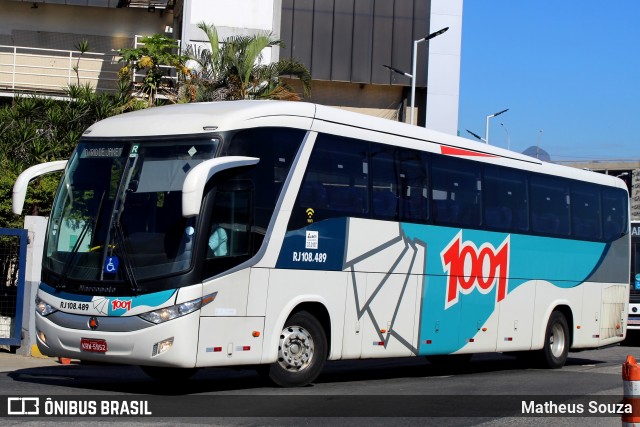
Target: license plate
(92, 345)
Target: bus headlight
(178, 310)
(43, 308)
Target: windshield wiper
(126, 185)
(128, 268)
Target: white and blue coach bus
(285, 234)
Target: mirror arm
(21, 184)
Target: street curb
(35, 352)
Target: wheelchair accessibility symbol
(111, 265)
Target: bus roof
(207, 117)
(194, 118)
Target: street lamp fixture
(397, 70)
(413, 67)
(476, 136)
(486, 130)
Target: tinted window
(385, 185)
(614, 210)
(456, 191)
(335, 183)
(348, 177)
(586, 221)
(398, 184)
(414, 186)
(276, 148)
(550, 205)
(505, 199)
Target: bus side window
(229, 229)
(398, 184)
(314, 194)
(614, 208)
(335, 183)
(456, 191)
(550, 206)
(384, 182)
(586, 222)
(414, 184)
(505, 199)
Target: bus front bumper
(170, 344)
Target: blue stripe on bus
(564, 263)
(151, 300)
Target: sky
(567, 70)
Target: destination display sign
(101, 152)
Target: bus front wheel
(556, 342)
(302, 352)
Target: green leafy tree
(155, 58)
(35, 129)
(234, 69)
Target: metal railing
(53, 70)
(13, 258)
(170, 71)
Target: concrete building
(38, 39)
(344, 43)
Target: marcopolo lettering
(471, 268)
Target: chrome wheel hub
(296, 348)
(557, 340)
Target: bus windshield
(117, 215)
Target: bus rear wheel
(556, 342)
(302, 352)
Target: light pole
(486, 130)
(413, 67)
(508, 137)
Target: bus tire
(302, 352)
(556, 342)
(169, 374)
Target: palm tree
(234, 70)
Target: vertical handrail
(70, 67)
(13, 73)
